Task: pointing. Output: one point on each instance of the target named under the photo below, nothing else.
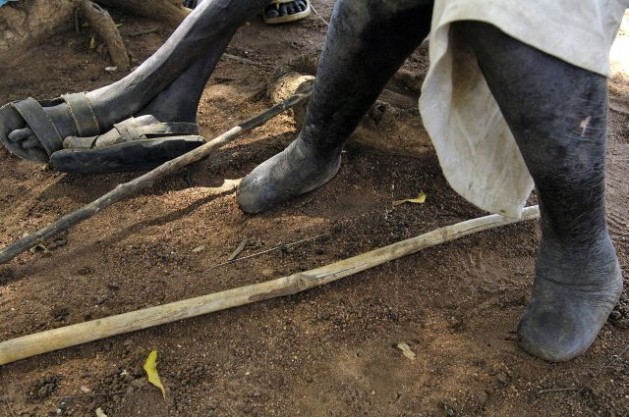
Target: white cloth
(476, 150)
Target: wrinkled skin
(544, 100)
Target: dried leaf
(100, 412)
(92, 42)
(406, 351)
(150, 366)
(421, 198)
(198, 249)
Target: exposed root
(103, 24)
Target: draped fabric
(476, 149)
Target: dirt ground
(327, 352)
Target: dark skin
(544, 100)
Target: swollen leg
(366, 43)
(558, 115)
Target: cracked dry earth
(330, 351)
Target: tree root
(25, 24)
(103, 24)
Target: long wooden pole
(150, 178)
(50, 340)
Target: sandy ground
(327, 352)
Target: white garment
(476, 149)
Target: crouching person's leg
(366, 43)
(558, 115)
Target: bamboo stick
(50, 340)
(150, 178)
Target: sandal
(130, 146)
(283, 11)
(30, 113)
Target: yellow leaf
(150, 366)
(100, 412)
(421, 198)
(406, 351)
(92, 42)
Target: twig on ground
(318, 15)
(150, 178)
(76, 334)
(563, 389)
(143, 32)
(265, 251)
(246, 61)
(239, 249)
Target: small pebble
(503, 379)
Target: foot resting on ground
(573, 294)
(34, 129)
(296, 170)
(66, 133)
(135, 144)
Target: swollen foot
(572, 297)
(296, 170)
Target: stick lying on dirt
(50, 340)
(150, 178)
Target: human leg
(366, 43)
(558, 115)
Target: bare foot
(296, 170)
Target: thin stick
(262, 252)
(150, 178)
(76, 334)
(239, 249)
(143, 32)
(554, 390)
(318, 15)
(246, 61)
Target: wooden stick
(150, 178)
(50, 340)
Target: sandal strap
(40, 123)
(169, 128)
(82, 113)
(129, 129)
